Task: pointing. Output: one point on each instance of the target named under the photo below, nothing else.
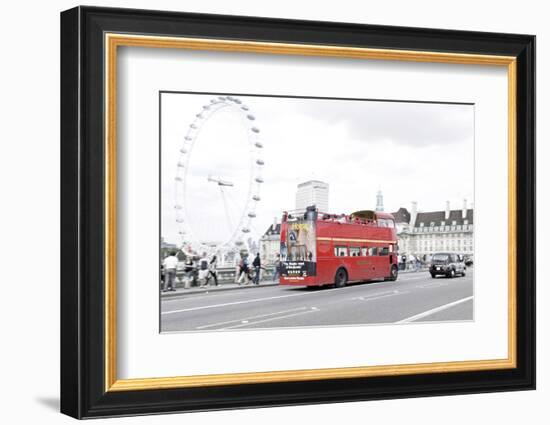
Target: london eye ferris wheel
(215, 211)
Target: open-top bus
(328, 249)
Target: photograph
(296, 212)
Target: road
(414, 297)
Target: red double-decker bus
(327, 249)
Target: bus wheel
(341, 278)
(393, 275)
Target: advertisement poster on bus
(298, 251)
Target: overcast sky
(411, 151)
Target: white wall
(29, 225)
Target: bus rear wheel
(341, 278)
(393, 273)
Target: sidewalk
(180, 291)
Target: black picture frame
(83, 393)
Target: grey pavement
(223, 286)
(413, 298)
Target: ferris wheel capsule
(258, 145)
(178, 178)
(251, 117)
(180, 165)
(255, 129)
(252, 214)
(260, 162)
(193, 126)
(245, 230)
(256, 197)
(245, 108)
(183, 150)
(259, 180)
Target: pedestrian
(188, 272)
(257, 264)
(238, 270)
(169, 264)
(244, 271)
(212, 272)
(195, 274)
(203, 270)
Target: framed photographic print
(261, 212)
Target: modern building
(312, 192)
(422, 233)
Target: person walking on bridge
(169, 264)
(257, 264)
(212, 272)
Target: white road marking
(258, 300)
(403, 279)
(385, 296)
(380, 295)
(185, 297)
(271, 319)
(192, 296)
(195, 296)
(434, 310)
(246, 319)
(233, 303)
(432, 285)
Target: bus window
(383, 251)
(354, 251)
(364, 251)
(341, 251)
(373, 250)
(386, 222)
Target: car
(448, 264)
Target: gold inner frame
(113, 41)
